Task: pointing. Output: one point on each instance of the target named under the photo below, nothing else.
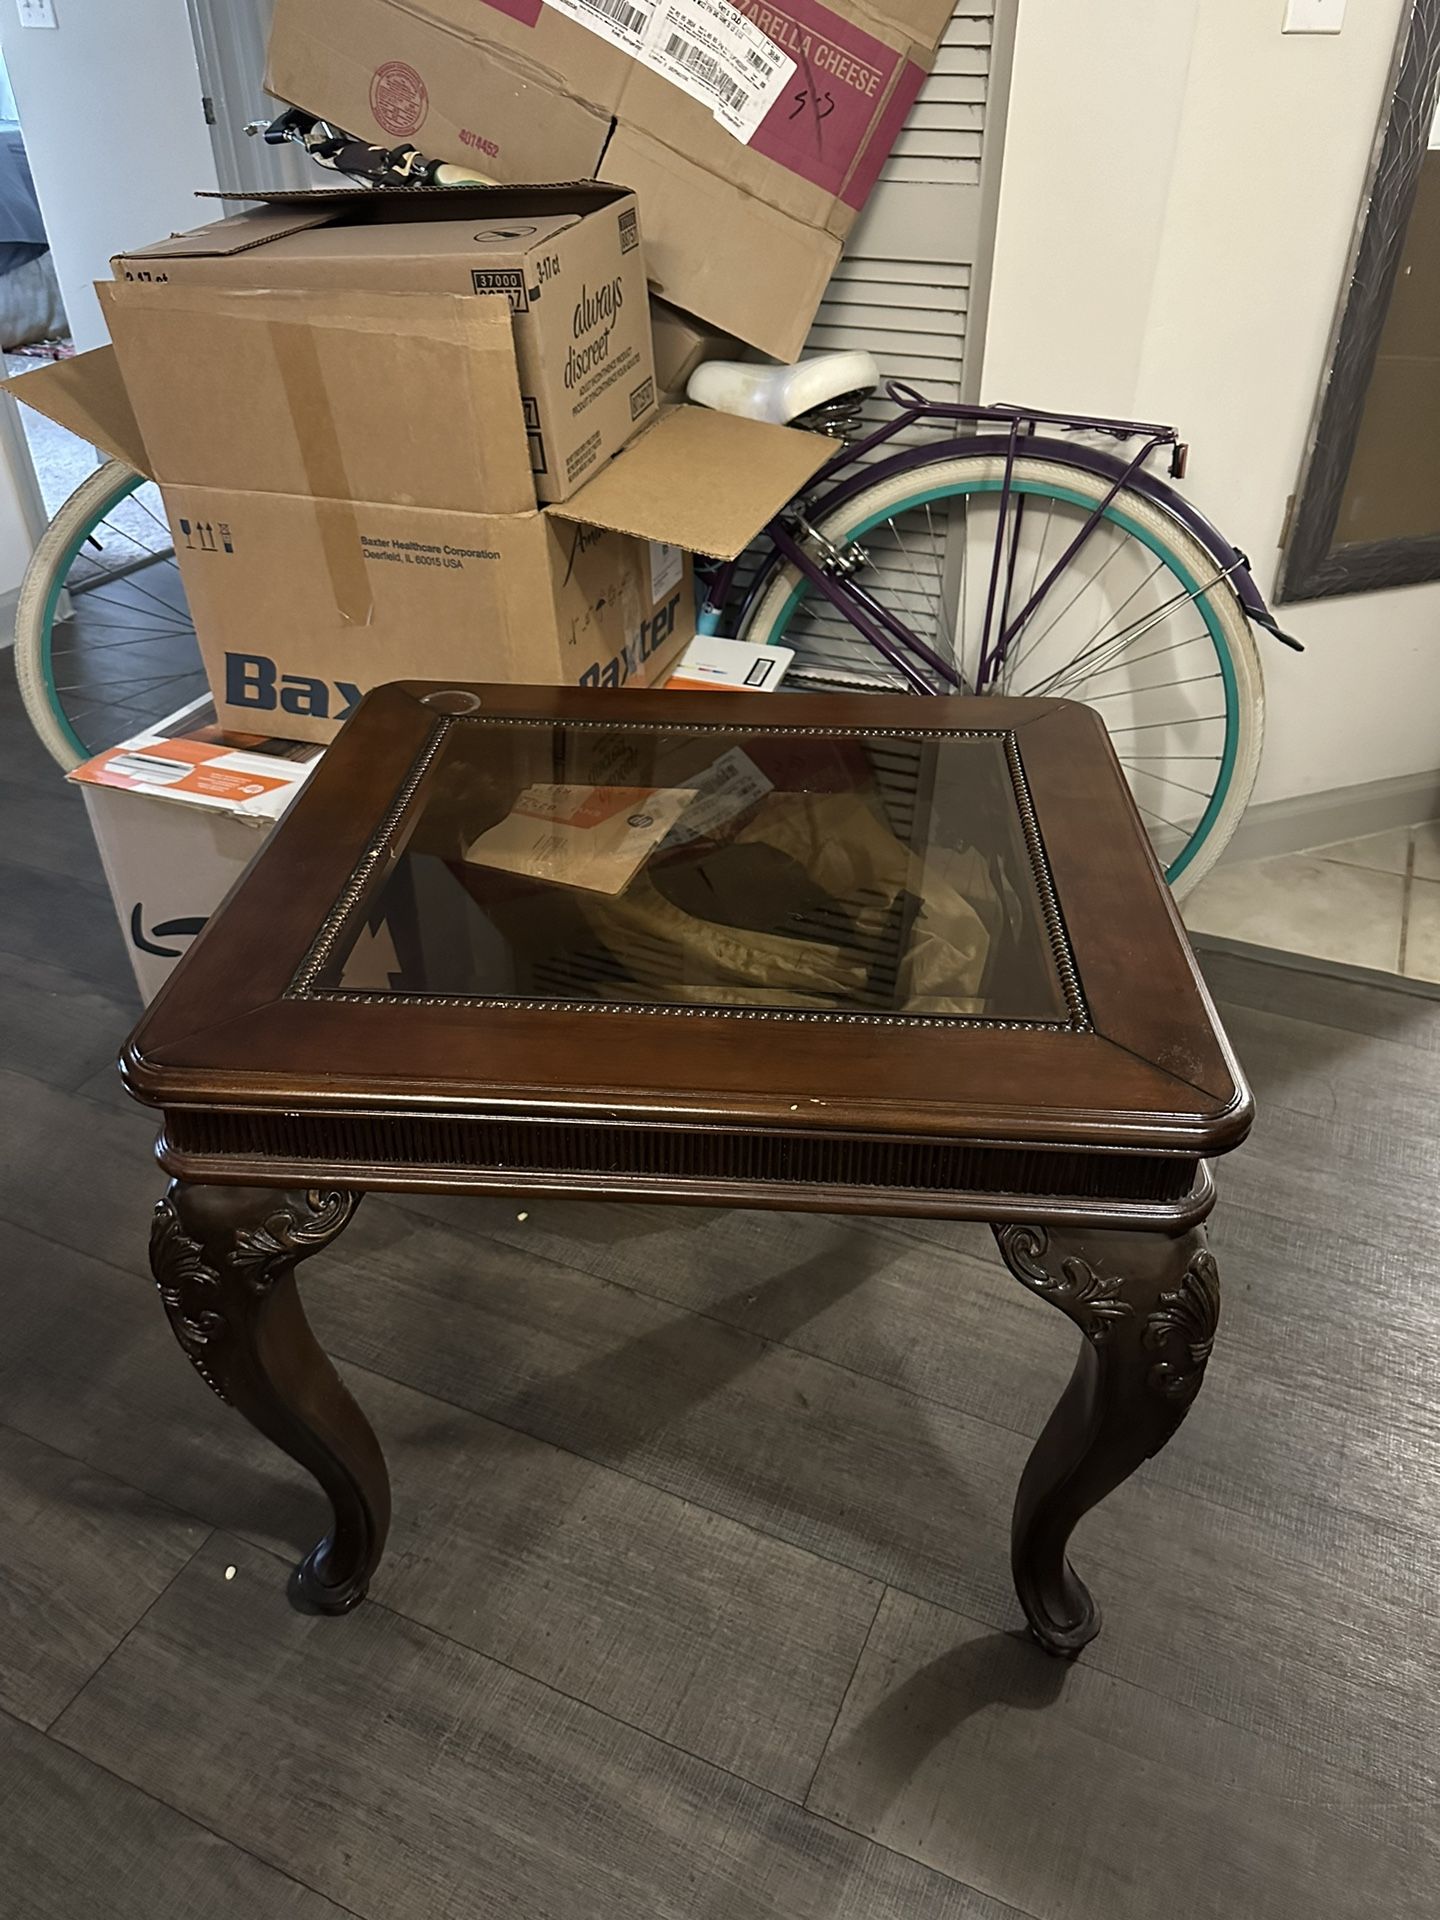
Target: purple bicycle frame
(788, 533)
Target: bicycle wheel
(1140, 625)
(104, 642)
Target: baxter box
(752, 134)
(566, 258)
(349, 494)
(178, 813)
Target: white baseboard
(1340, 813)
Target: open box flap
(707, 482)
(598, 193)
(230, 236)
(88, 396)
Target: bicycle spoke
(1009, 668)
(1098, 640)
(145, 507)
(1063, 680)
(1074, 601)
(121, 532)
(1149, 813)
(135, 637)
(1113, 644)
(937, 546)
(1159, 686)
(1139, 659)
(132, 687)
(97, 596)
(910, 565)
(1144, 772)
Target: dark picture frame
(1313, 564)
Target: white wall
(1179, 195)
(22, 515)
(110, 109)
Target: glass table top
(877, 876)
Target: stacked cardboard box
(351, 470)
(565, 258)
(753, 133)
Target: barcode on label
(760, 63)
(631, 18)
(149, 767)
(706, 68)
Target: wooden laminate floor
(697, 1602)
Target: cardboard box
(566, 258)
(752, 134)
(683, 343)
(711, 663)
(178, 812)
(321, 457)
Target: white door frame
(230, 39)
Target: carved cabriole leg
(224, 1259)
(1148, 1306)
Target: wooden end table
(840, 953)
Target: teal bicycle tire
(1236, 654)
(46, 579)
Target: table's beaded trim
(347, 996)
(1054, 923)
(320, 949)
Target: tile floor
(1373, 902)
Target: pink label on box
(527, 12)
(819, 126)
(837, 117)
(897, 112)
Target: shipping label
(707, 48)
(597, 838)
(728, 789)
(713, 53)
(667, 565)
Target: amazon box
(566, 258)
(348, 487)
(178, 813)
(752, 133)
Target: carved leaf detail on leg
(261, 1254)
(189, 1289)
(194, 1289)
(1181, 1330)
(1090, 1298)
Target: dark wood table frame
(1081, 1141)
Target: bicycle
(996, 558)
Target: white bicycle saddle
(780, 394)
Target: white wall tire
(1225, 619)
(40, 592)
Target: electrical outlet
(1314, 16)
(37, 13)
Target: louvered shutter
(902, 291)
